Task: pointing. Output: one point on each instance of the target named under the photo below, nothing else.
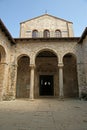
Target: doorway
(46, 85)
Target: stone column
(61, 94)
(32, 81)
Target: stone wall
(60, 49)
(12, 72)
(32, 49)
(5, 46)
(84, 60)
(46, 22)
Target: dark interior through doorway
(46, 85)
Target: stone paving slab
(43, 114)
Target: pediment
(46, 16)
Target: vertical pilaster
(13, 78)
(3, 80)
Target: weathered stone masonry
(34, 67)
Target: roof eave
(7, 33)
(83, 36)
(75, 39)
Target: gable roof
(83, 36)
(5, 30)
(46, 15)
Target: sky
(13, 12)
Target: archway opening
(47, 74)
(70, 76)
(23, 78)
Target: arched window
(58, 33)
(46, 33)
(35, 33)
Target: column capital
(16, 65)
(32, 66)
(3, 63)
(60, 65)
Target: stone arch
(71, 53)
(46, 49)
(68, 52)
(46, 61)
(23, 77)
(21, 55)
(70, 75)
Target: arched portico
(48, 76)
(70, 86)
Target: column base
(8, 98)
(1, 99)
(61, 98)
(31, 99)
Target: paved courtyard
(43, 114)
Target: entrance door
(46, 85)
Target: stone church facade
(45, 61)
